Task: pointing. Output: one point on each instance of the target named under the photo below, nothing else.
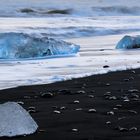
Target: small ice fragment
(56, 111)
(15, 120)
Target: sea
(95, 25)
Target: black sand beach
(101, 107)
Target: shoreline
(94, 54)
(96, 107)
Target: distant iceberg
(15, 120)
(20, 45)
(129, 42)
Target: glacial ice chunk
(15, 120)
(20, 45)
(129, 42)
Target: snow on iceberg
(129, 42)
(20, 45)
(15, 121)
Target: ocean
(95, 25)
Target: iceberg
(15, 120)
(21, 45)
(129, 42)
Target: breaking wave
(44, 8)
(70, 11)
(31, 11)
(72, 32)
(96, 11)
(116, 10)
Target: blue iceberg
(129, 42)
(20, 45)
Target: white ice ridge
(129, 42)
(15, 120)
(20, 45)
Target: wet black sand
(101, 107)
